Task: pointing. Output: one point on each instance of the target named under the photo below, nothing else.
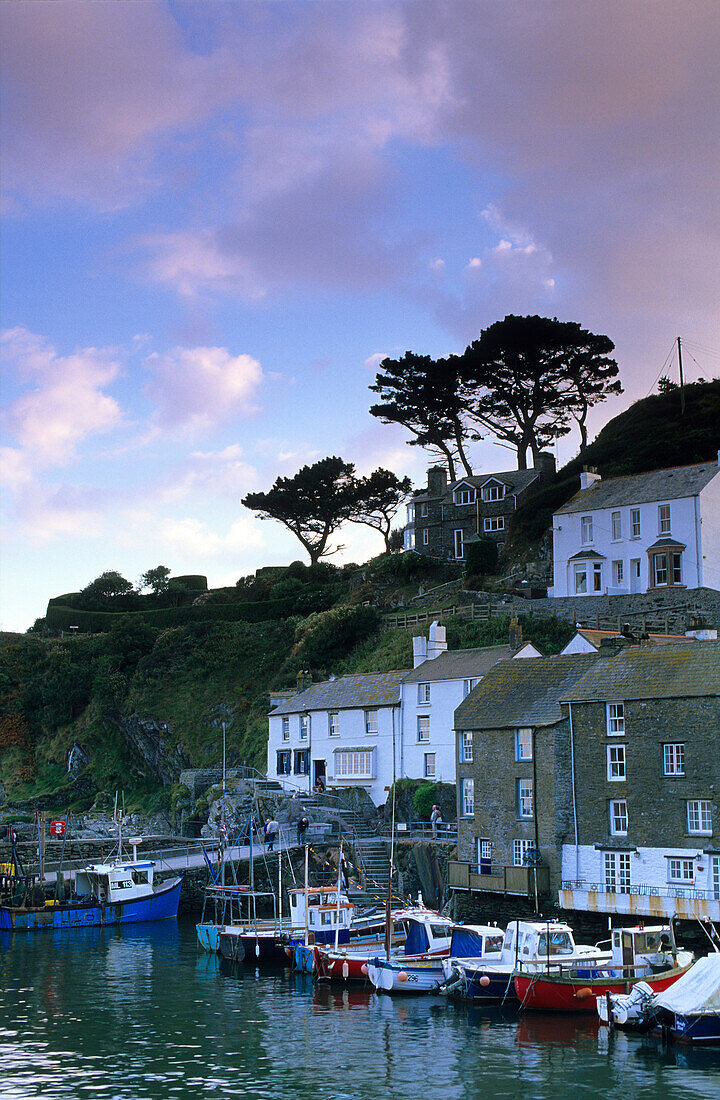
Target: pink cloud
(194, 388)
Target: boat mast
(337, 910)
(307, 857)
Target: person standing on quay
(435, 820)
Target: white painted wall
(649, 867)
(709, 507)
(445, 697)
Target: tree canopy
(156, 579)
(107, 586)
(378, 500)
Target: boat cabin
(532, 942)
(477, 941)
(428, 933)
(329, 912)
(647, 948)
(109, 883)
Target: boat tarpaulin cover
(466, 944)
(697, 992)
(417, 942)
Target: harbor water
(142, 1011)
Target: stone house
(639, 533)
(645, 837)
(445, 516)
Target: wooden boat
(120, 892)
(416, 932)
(638, 954)
(482, 963)
(413, 970)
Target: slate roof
(660, 485)
(367, 689)
(651, 672)
(513, 480)
(458, 663)
(523, 693)
(595, 637)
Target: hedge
(98, 622)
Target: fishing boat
(638, 954)
(419, 968)
(272, 939)
(688, 1011)
(415, 933)
(123, 891)
(483, 961)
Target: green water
(142, 1012)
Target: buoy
(484, 981)
(288, 951)
(345, 971)
(402, 976)
(584, 993)
(363, 969)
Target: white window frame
(615, 719)
(484, 848)
(467, 797)
(372, 722)
(304, 726)
(523, 743)
(664, 520)
(425, 536)
(333, 723)
(586, 530)
(465, 746)
(618, 817)
(304, 755)
(680, 869)
(423, 693)
(423, 509)
(635, 526)
(469, 684)
(660, 570)
(520, 847)
(618, 568)
(429, 765)
(525, 799)
(285, 727)
(617, 872)
(616, 763)
(355, 764)
(494, 491)
(580, 577)
(423, 728)
(699, 817)
(465, 495)
(459, 543)
(286, 754)
(674, 758)
(616, 526)
(494, 523)
(597, 576)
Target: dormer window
(464, 494)
(493, 491)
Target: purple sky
(219, 217)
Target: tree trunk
(461, 452)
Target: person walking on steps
(271, 831)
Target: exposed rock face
(151, 740)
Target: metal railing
(642, 890)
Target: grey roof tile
(523, 693)
(455, 664)
(368, 689)
(652, 672)
(660, 485)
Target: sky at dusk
(219, 217)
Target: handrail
(641, 890)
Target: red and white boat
(426, 935)
(640, 954)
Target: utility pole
(682, 383)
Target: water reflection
(143, 1012)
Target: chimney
(700, 630)
(303, 679)
(515, 635)
(545, 466)
(437, 643)
(588, 477)
(437, 480)
(419, 651)
(610, 646)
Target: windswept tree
(530, 376)
(157, 579)
(425, 396)
(312, 504)
(108, 586)
(378, 500)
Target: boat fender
(402, 976)
(345, 970)
(484, 981)
(364, 969)
(584, 993)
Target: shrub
(481, 557)
(424, 799)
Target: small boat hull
(250, 947)
(162, 904)
(401, 976)
(693, 1028)
(209, 936)
(555, 993)
(482, 985)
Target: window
(586, 529)
(663, 519)
(615, 719)
(493, 492)
(467, 796)
(464, 495)
(468, 685)
(466, 747)
(681, 870)
(424, 509)
(616, 521)
(617, 872)
(616, 772)
(333, 724)
(618, 817)
(423, 693)
(667, 568)
(494, 523)
(597, 576)
(302, 762)
(525, 798)
(715, 876)
(676, 562)
(458, 541)
(411, 513)
(286, 728)
(429, 765)
(699, 817)
(283, 762)
(425, 536)
(523, 744)
(580, 580)
(484, 853)
(520, 848)
(635, 523)
(674, 759)
(304, 726)
(423, 727)
(371, 722)
(354, 764)
(618, 570)
(660, 572)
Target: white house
(639, 533)
(372, 728)
(587, 640)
